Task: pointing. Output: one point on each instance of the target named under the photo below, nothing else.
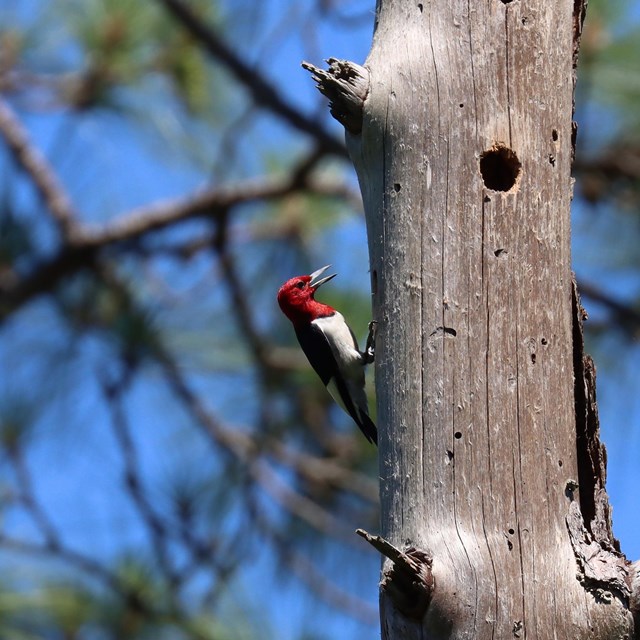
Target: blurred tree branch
(623, 316)
(612, 171)
(80, 250)
(261, 89)
(35, 165)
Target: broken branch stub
(409, 582)
(346, 84)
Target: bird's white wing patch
(341, 340)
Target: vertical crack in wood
(592, 455)
(603, 568)
(346, 84)
(409, 582)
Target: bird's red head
(296, 297)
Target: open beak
(314, 284)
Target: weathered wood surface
(471, 277)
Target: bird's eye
(300, 284)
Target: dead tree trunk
(460, 128)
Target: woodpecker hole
(500, 168)
(420, 7)
(554, 135)
(396, 187)
(506, 1)
(461, 105)
(499, 253)
(511, 532)
(446, 331)
(457, 435)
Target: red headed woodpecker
(330, 346)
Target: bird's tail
(367, 427)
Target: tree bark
(490, 462)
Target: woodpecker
(330, 346)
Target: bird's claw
(369, 350)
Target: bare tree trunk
(490, 462)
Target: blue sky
(66, 464)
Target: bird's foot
(370, 348)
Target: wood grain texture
(472, 292)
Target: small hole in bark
(559, 463)
(543, 341)
(552, 160)
(461, 105)
(421, 7)
(396, 187)
(447, 331)
(506, 1)
(487, 199)
(500, 252)
(374, 282)
(449, 456)
(457, 435)
(511, 532)
(533, 358)
(509, 545)
(554, 135)
(500, 168)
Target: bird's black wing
(318, 351)
(316, 347)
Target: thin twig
(318, 583)
(211, 202)
(33, 162)
(158, 531)
(28, 498)
(325, 471)
(240, 304)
